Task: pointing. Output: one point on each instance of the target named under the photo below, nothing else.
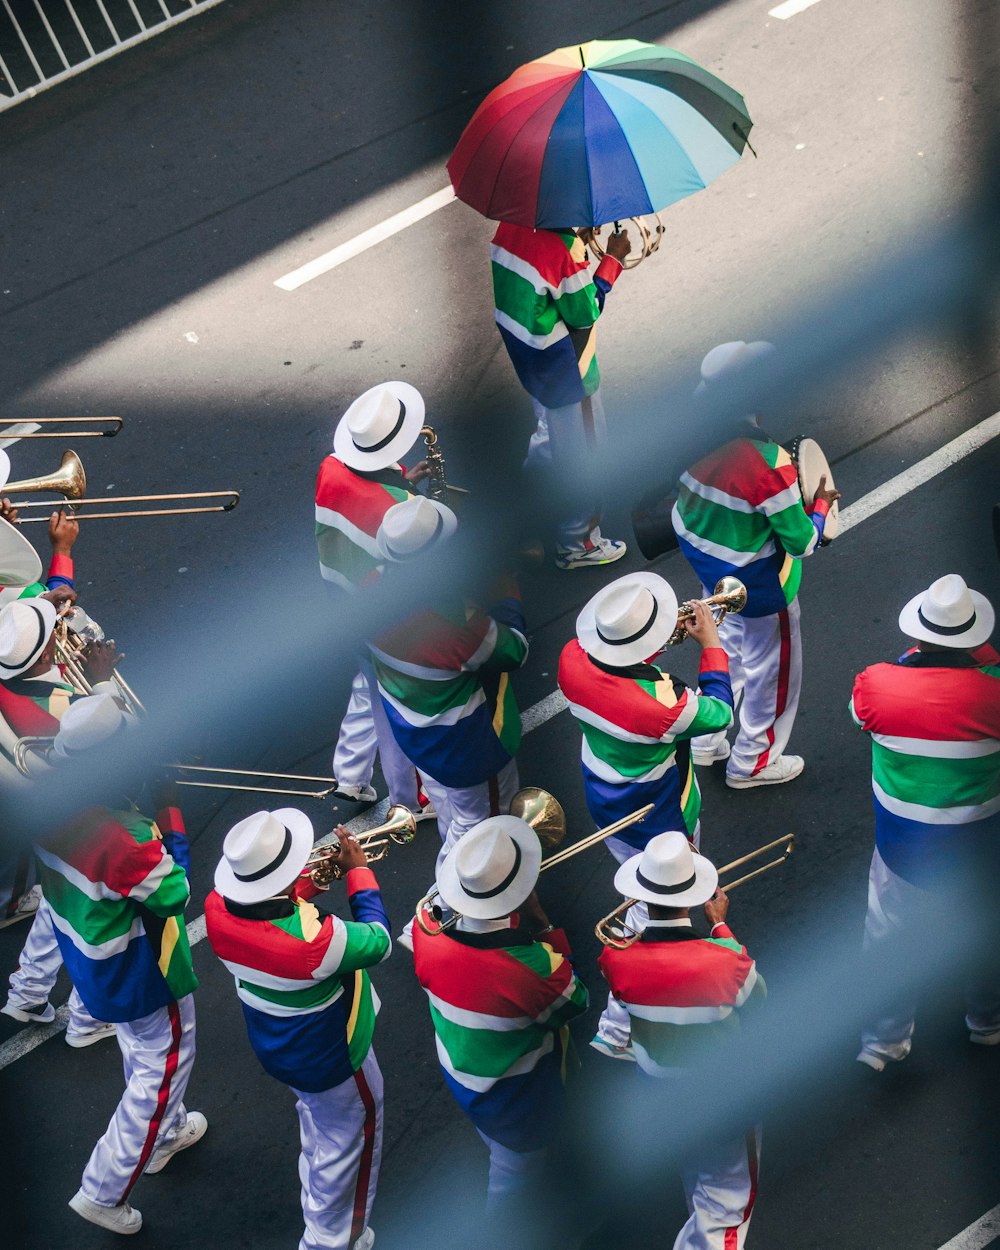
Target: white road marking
(368, 238)
(978, 1235)
(790, 8)
(17, 431)
(545, 709)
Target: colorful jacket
(547, 307)
(934, 721)
(636, 724)
(307, 1000)
(349, 510)
(739, 512)
(60, 574)
(442, 677)
(34, 706)
(117, 897)
(500, 1002)
(683, 993)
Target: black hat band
(656, 888)
(275, 863)
(498, 889)
(945, 630)
(622, 642)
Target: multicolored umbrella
(598, 132)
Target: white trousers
(460, 809)
(510, 1170)
(158, 1054)
(341, 1133)
(898, 910)
(720, 1184)
(35, 976)
(365, 731)
(564, 439)
(765, 667)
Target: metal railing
(44, 42)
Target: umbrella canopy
(597, 132)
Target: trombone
(613, 930)
(730, 595)
(400, 827)
(330, 783)
(544, 813)
(115, 423)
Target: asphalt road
(148, 209)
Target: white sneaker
(357, 794)
(427, 812)
(193, 1130)
(985, 1039)
(365, 1241)
(79, 1040)
(600, 551)
(27, 906)
(120, 1219)
(704, 759)
(41, 1013)
(622, 1051)
(785, 768)
(871, 1060)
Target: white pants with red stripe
(461, 809)
(564, 439)
(35, 976)
(341, 1132)
(765, 666)
(364, 731)
(158, 1054)
(720, 1184)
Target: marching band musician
(117, 896)
(740, 512)
(934, 722)
(501, 997)
(356, 485)
(309, 1007)
(637, 721)
(682, 992)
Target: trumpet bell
(400, 824)
(69, 480)
(543, 812)
(731, 594)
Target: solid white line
(790, 8)
(978, 1235)
(368, 238)
(545, 709)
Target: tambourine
(650, 236)
(812, 466)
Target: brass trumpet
(28, 748)
(613, 930)
(544, 813)
(730, 596)
(70, 648)
(400, 827)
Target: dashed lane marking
(790, 7)
(979, 1235)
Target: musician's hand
(351, 853)
(8, 512)
(62, 596)
(830, 495)
(618, 245)
(717, 907)
(419, 471)
(701, 626)
(100, 659)
(164, 791)
(64, 529)
(533, 915)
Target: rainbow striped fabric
(934, 721)
(117, 898)
(349, 509)
(307, 1000)
(636, 723)
(682, 992)
(500, 1002)
(739, 512)
(547, 306)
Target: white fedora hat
(628, 621)
(668, 873)
(727, 357)
(4, 468)
(379, 427)
(87, 723)
(414, 526)
(25, 628)
(19, 562)
(492, 869)
(263, 854)
(949, 614)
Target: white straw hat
(668, 873)
(721, 361)
(263, 854)
(379, 427)
(4, 468)
(19, 562)
(87, 723)
(414, 526)
(628, 621)
(25, 629)
(949, 614)
(492, 869)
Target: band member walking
(684, 992)
(309, 1007)
(934, 722)
(740, 512)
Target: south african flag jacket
(349, 509)
(117, 897)
(500, 1002)
(683, 993)
(934, 722)
(739, 513)
(300, 976)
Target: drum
(812, 465)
